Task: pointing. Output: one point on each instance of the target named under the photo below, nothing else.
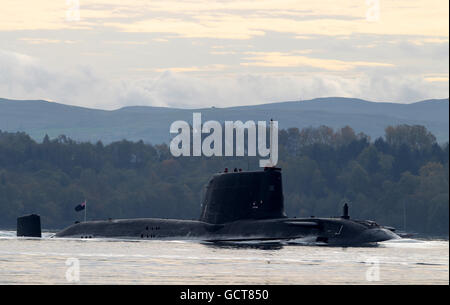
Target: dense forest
(401, 179)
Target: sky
(197, 53)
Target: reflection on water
(245, 245)
(50, 261)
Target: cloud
(277, 59)
(232, 19)
(212, 28)
(45, 41)
(25, 77)
(19, 15)
(195, 53)
(248, 19)
(208, 68)
(425, 41)
(436, 78)
(125, 42)
(226, 26)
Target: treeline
(400, 180)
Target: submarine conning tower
(243, 196)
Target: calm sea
(58, 261)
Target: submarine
(239, 206)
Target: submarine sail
(243, 195)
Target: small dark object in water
(29, 226)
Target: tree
(416, 136)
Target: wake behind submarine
(239, 206)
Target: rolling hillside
(151, 124)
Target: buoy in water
(29, 226)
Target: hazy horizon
(186, 107)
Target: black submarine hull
(332, 231)
(238, 206)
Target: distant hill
(151, 124)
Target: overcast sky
(110, 54)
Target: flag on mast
(81, 206)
